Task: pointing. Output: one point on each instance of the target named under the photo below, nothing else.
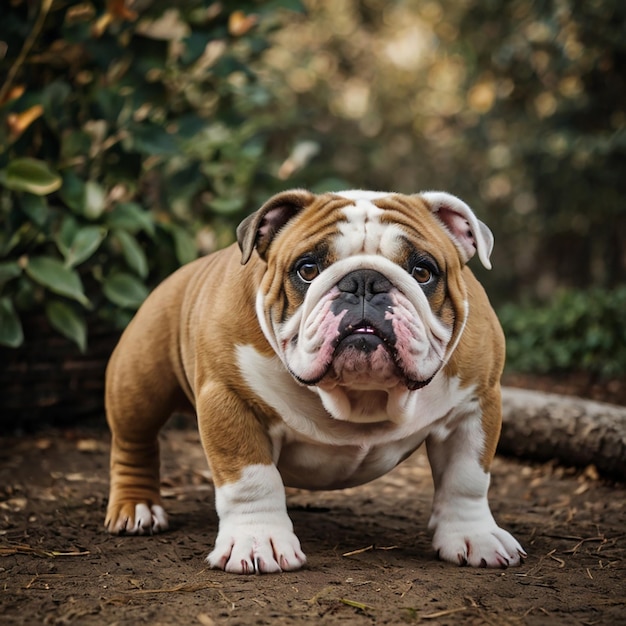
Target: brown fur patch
(315, 223)
(479, 360)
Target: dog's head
(363, 298)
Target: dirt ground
(370, 559)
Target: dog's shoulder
(482, 335)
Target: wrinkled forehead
(365, 229)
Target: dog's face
(363, 292)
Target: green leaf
(26, 292)
(227, 205)
(184, 245)
(84, 244)
(24, 236)
(73, 191)
(193, 47)
(93, 200)
(31, 175)
(8, 271)
(11, 333)
(35, 207)
(133, 253)
(68, 322)
(66, 234)
(55, 99)
(75, 143)
(330, 184)
(52, 274)
(153, 140)
(131, 217)
(116, 317)
(125, 290)
(87, 198)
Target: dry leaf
(119, 10)
(239, 23)
(14, 504)
(205, 619)
(89, 445)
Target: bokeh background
(134, 136)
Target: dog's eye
(424, 269)
(307, 270)
(422, 274)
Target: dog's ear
(259, 229)
(467, 232)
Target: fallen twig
(357, 605)
(368, 549)
(359, 551)
(183, 587)
(20, 548)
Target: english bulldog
(343, 331)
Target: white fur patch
(149, 520)
(362, 194)
(364, 233)
(255, 533)
(315, 451)
(302, 411)
(465, 531)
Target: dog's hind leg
(142, 391)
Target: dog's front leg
(465, 531)
(255, 533)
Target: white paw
(136, 519)
(256, 549)
(255, 535)
(148, 520)
(477, 544)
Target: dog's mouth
(365, 355)
(364, 337)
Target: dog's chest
(310, 465)
(314, 451)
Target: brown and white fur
(344, 332)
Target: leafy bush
(577, 331)
(129, 143)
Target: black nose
(364, 284)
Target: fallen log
(577, 432)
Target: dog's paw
(130, 518)
(256, 549)
(477, 545)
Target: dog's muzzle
(365, 348)
(366, 305)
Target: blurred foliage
(130, 139)
(517, 107)
(577, 330)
